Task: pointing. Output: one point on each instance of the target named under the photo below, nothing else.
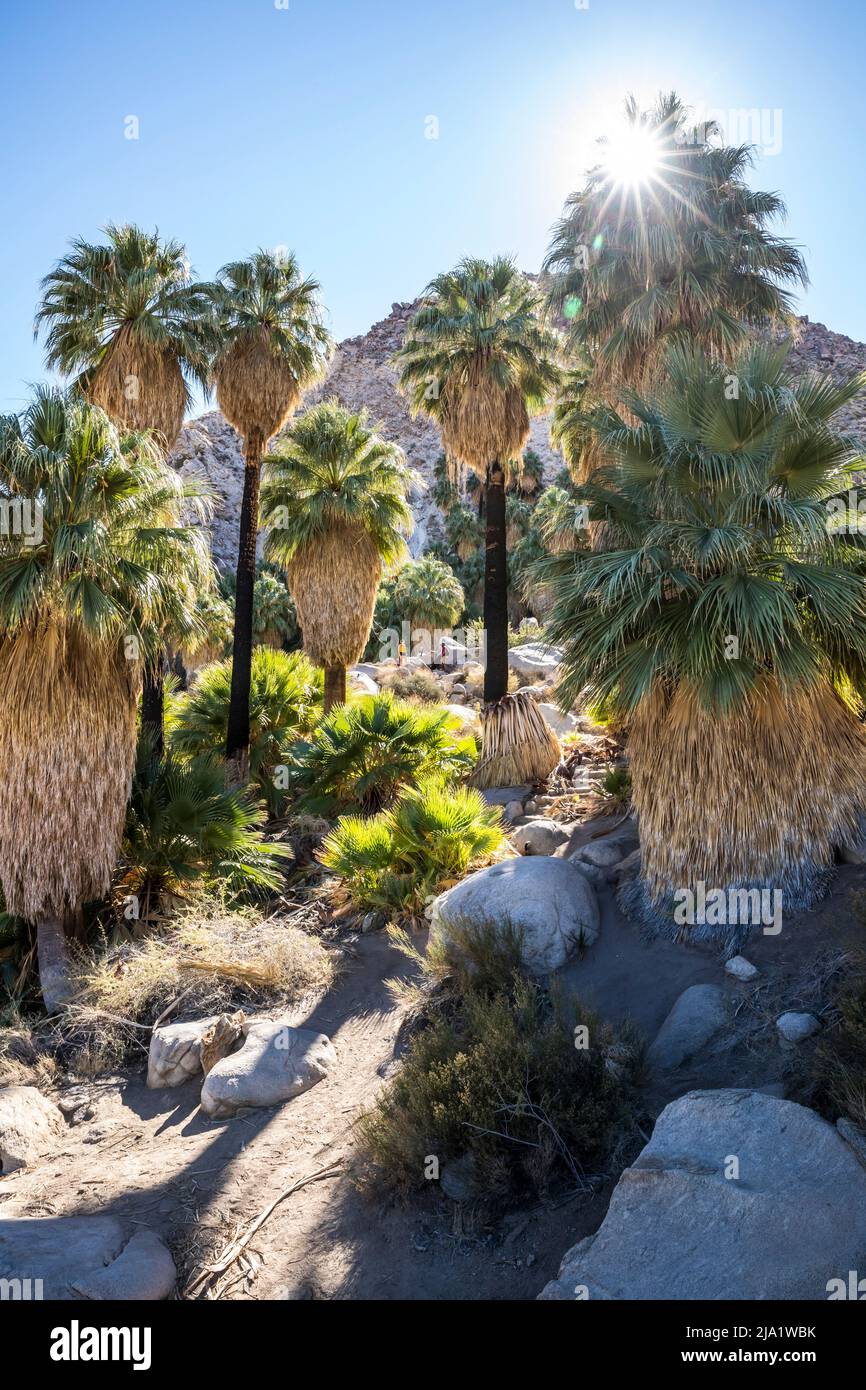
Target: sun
(632, 157)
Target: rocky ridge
(360, 374)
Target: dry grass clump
(839, 1064)
(216, 959)
(418, 684)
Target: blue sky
(306, 127)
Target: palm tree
(80, 610)
(273, 344)
(465, 532)
(725, 626)
(685, 257)
(127, 321)
(429, 594)
(334, 503)
(478, 359)
(125, 318)
(274, 618)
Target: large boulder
(695, 1018)
(560, 723)
(549, 901)
(93, 1257)
(30, 1126)
(737, 1195)
(534, 659)
(276, 1063)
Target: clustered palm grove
(682, 561)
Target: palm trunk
(153, 706)
(54, 967)
(335, 686)
(238, 734)
(496, 588)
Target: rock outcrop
(738, 1195)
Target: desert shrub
(285, 701)
(416, 683)
(183, 825)
(361, 754)
(432, 836)
(838, 1077)
(494, 1073)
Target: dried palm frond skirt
(67, 747)
(518, 744)
(757, 799)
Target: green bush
(361, 754)
(396, 860)
(183, 825)
(494, 1074)
(285, 700)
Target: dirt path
(149, 1157)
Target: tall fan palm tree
(273, 344)
(80, 607)
(478, 359)
(725, 626)
(126, 319)
(682, 255)
(334, 503)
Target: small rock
(175, 1052)
(362, 684)
(628, 867)
(514, 811)
(144, 1270)
(276, 1063)
(30, 1126)
(539, 837)
(531, 808)
(741, 968)
(457, 1178)
(560, 723)
(795, 1028)
(695, 1018)
(501, 796)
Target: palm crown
(429, 593)
(478, 359)
(272, 340)
(127, 320)
(717, 508)
(114, 559)
(689, 258)
(334, 471)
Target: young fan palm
(725, 625)
(465, 531)
(477, 359)
(686, 257)
(273, 344)
(334, 503)
(429, 594)
(79, 607)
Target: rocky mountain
(360, 375)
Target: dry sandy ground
(149, 1157)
